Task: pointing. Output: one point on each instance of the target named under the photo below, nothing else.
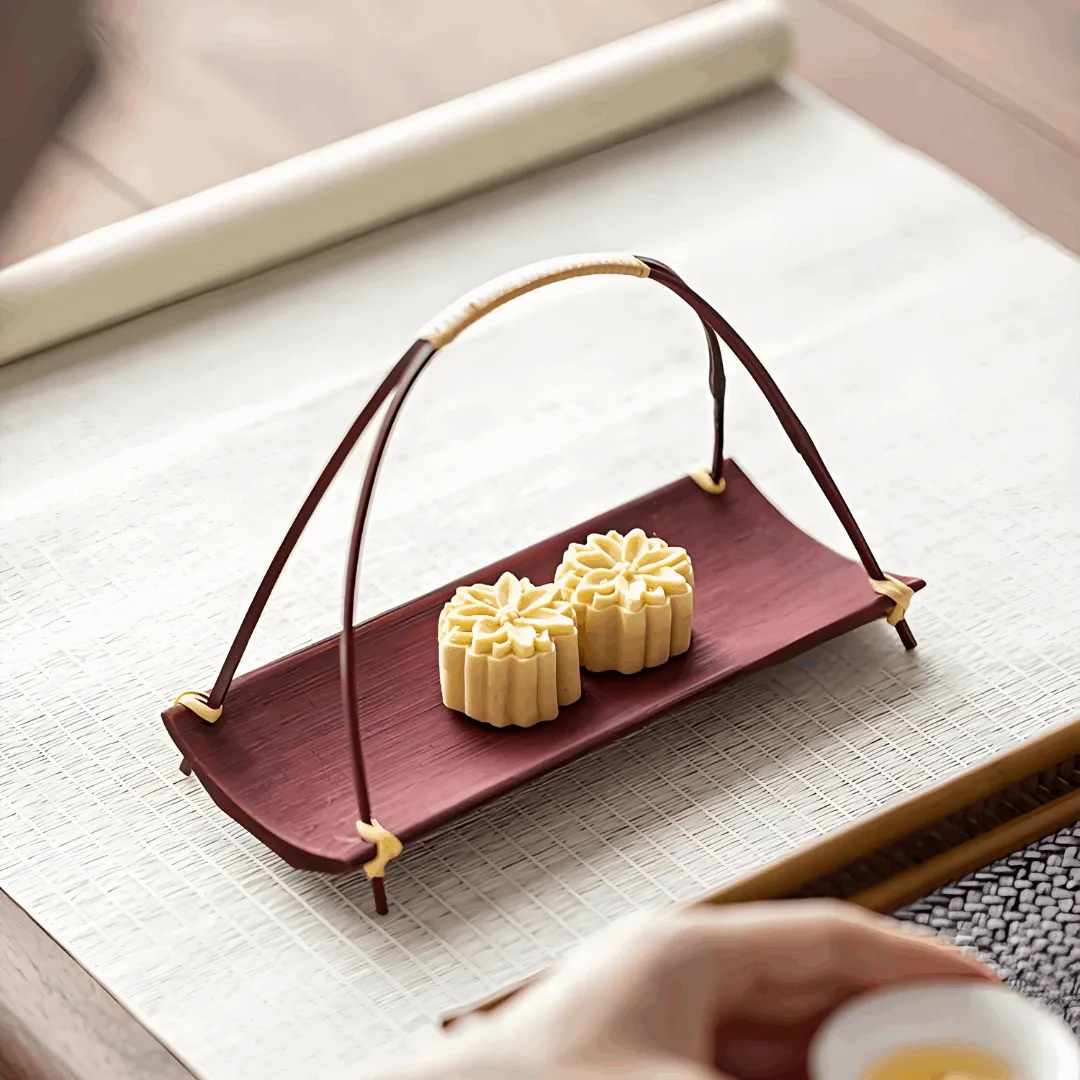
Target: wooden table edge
(57, 1022)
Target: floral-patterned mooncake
(508, 653)
(632, 599)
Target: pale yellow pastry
(508, 653)
(632, 599)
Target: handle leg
(378, 890)
(906, 636)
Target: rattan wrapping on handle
(475, 305)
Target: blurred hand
(696, 993)
(47, 63)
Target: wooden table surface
(210, 89)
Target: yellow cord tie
(703, 479)
(896, 591)
(195, 700)
(387, 847)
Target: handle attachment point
(195, 701)
(703, 479)
(387, 847)
(896, 591)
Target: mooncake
(632, 598)
(508, 653)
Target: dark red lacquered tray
(353, 728)
(764, 591)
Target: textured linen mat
(1021, 914)
(927, 339)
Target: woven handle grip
(475, 305)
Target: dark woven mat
(1022, 915)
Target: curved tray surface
(279, 763)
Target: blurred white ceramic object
(859, 1036)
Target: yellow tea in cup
(943, 1029)
(940, 1063)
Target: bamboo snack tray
(337, 755)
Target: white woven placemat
(930, 344)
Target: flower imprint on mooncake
(508, 653)
(632, 599)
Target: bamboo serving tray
(350, 736)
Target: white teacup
(859, 1036)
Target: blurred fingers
(791, 953)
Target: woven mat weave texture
(1022, 915)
